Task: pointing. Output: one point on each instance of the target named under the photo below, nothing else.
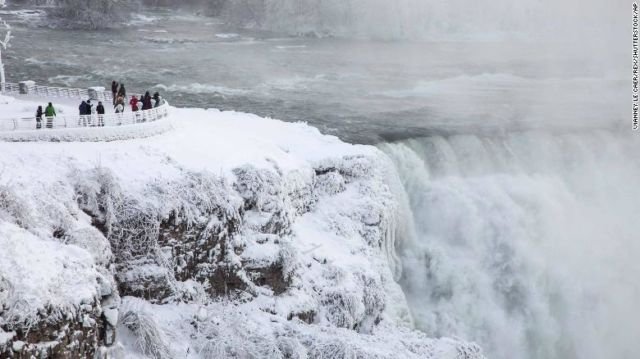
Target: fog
(416, 19)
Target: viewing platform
(18, 119)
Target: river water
(516, 158)
(363, 91)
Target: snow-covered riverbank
(229, 236)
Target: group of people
(49, 113)
(120, 94)
(86, 109)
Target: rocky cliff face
(236, 240)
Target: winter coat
(120, 100)
(122, 91)
(83, 109)
(134, 104)
(114, 87)
(39, 114)
(50, 111)
(119, 108)
(146, 103)
(100, 110)
(157, 99)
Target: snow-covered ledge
(18, 124)
(89, 134)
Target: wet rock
(72, 334)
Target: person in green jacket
(50, 113)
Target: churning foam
(525, 243)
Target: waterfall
(525, 243)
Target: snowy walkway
(17, 116)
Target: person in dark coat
(146, 102)
(83, 109)
(114, 90)
(122, 91)
(100, 111)
(156, 98)
(39, 114)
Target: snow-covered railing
(52, 91)
(10, 87)
(46, 91)
(77, 121)
(64, 121)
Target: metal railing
(78, 121)
(10, 87)
(52, 91)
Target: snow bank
(252, 237)
(89, 134)
(37, 274)
(50, 296)
(221, 330)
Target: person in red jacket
(134, 103)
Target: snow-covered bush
(49, 296)
(13, 209)
(234, 335)
(149, 339)
(94, 242)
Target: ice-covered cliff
(229, 236)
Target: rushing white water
(525, 243)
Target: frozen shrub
(90, 239)
(263, 192)
(13, 209)
(350, 167)
(335, 348)
(330, 183)
(292, 348)
(195, 197)
(342, 308)
(233, 335)
(149, 338)
(97, 194)
(261, 189)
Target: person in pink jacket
(134, 103)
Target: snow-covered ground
(303, 223)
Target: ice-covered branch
(7, 36)
(3, 46)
